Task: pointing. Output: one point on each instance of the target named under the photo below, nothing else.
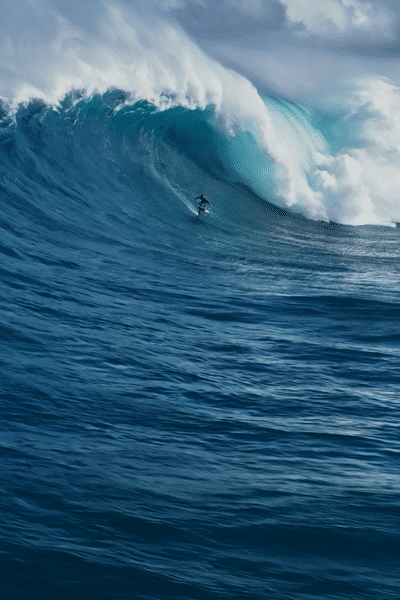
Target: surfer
(202, 204)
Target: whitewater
(199, 407)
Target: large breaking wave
(147, 94)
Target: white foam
(361, 184)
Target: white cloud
(333, 18)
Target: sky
(296, 48)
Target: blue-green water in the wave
(190, 408)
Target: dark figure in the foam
(203, 204)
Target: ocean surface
(190, 407)
(198, 408)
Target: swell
(92, 160)
(98, 165)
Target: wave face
(193, 407)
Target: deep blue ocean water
(191, 408)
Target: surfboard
(203, 211)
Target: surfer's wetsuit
(202, 204)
